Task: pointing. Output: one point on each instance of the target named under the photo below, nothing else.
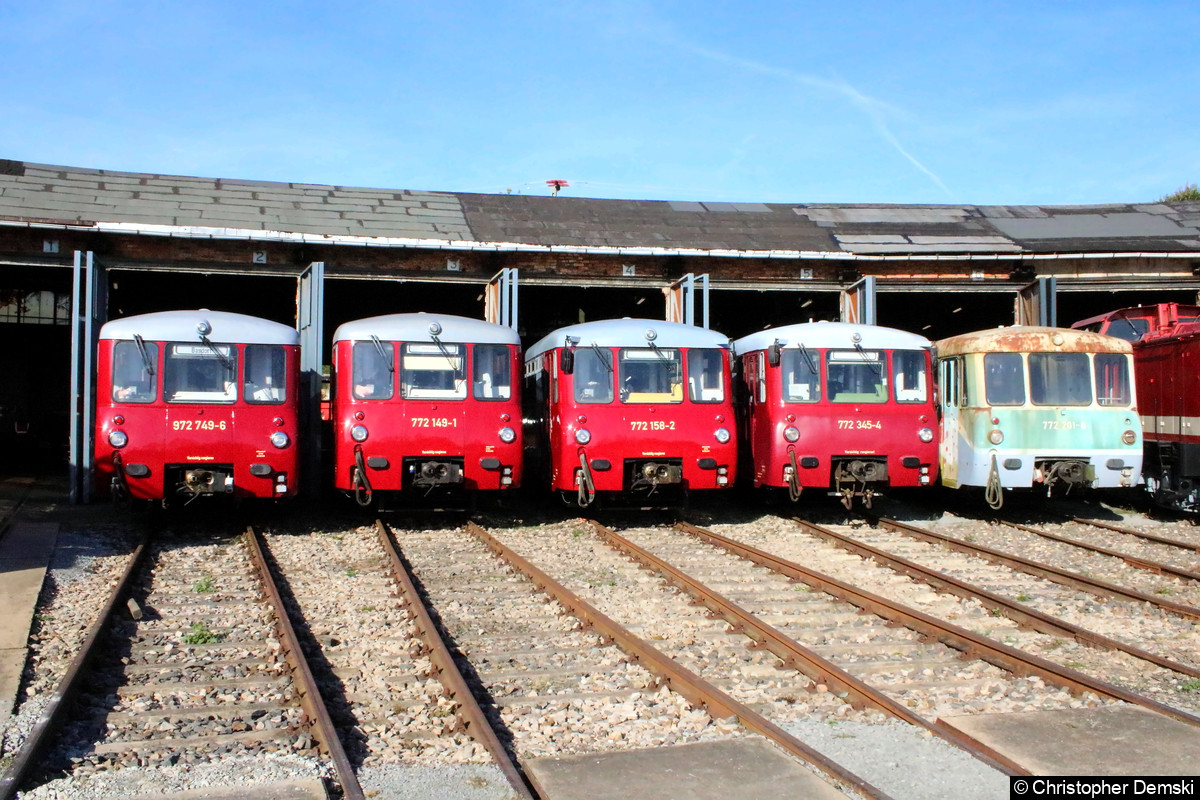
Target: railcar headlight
(118, 439)
(1128, 437)
(508, 435)
(925, 435)
(722, 435)
(583, 436)
(280, 439)
(995, 436)
(791, 433)
(359, 433)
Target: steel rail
(691, 686)
(798, 657)
(445, 669)
(58, 710)
(306, 685)
(1140, 534)
(1133, 561)
(1053, 574)
(1010, 659)
(1022, 615)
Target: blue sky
(847, 102)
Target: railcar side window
(433, 371)
(372, 370)
(912, 383)
(856, 376)
(1004, 379)
(650, 375)
(200, 373)
(1060, 379)
(134, 378)
(266, 375)
(706, 375)
(491, 374)
(593, 374)
(801, 374)
(1112, 379)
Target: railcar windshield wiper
(383, 356)
(445, 352)
(226, 361)
(603, 357)
(141, 346)
(809, 358)
(875, 365)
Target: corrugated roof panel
(1092, 226)
(909, 216)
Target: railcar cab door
(432, 382)
(951, 395)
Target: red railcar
(840, 407)
(631, 407)
(425, 404)
(197, 403)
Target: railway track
(1143, 648)
(561, 677)
(395, 692)
(190, 668)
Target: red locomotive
(841, 407)
(197, 403)
(1131, 324)
(425, 404)
(634, 407)
(1166, 360)
(1166, 366)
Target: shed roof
(106, 200)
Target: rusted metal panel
(1031, 339)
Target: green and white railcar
(1031, 407)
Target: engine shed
(81, 246)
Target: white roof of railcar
(416, 328)
(629, 333)
(181, 326)
(831, 334)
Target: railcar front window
(372, 370)
(1112, 379)
(706, 375)
(1004, 379)
(201, 373)
(1060, 379)
(266, 374)
(650, 375)
(492, 372)
(911, 376)
(433, 371)
(135, 377)
(593, 375)
(1129, 329)
(801, 374)
(856, 376)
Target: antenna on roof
(555, 185)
